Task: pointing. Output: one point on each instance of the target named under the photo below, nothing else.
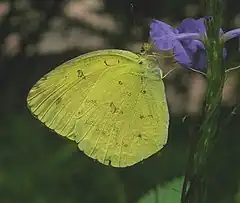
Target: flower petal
(186, 42)
(188, 26)
(160, 29)
(188, 36)
(181, 55)
(231, 34)
(201, 28)
(162, 34)
(195, 45)
(221, 32)
(164, 43)
(199, 59)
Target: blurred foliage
(37, 165)
(170, 192)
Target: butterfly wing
(107, 103)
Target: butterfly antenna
(136, 29)
(132, 12)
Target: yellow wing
(110, 102)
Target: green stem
(197, 177)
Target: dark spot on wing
(79, 113)
(59, 99)
(93, 101)
(80, 74)
(120, 82)
(129, 94)
(111, 62)
(125, 145)
(139, 135)
(142, 77)
(109, 162)
(150, 115)
(113, 108)
(140, 62)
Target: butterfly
(111, 102)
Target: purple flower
(186, 40)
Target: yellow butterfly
(110, 102)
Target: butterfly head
(151, 65)
(146, 48)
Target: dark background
(39, 166)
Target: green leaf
(167, 193)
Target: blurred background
(39, 166)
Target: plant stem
(197, 177)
